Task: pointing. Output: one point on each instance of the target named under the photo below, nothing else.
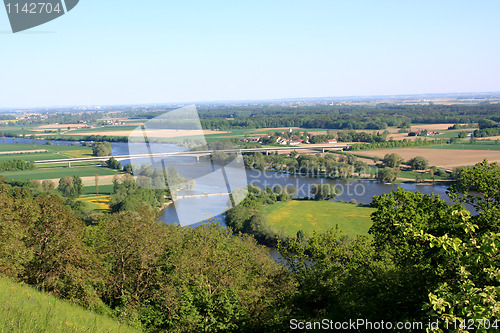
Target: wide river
(361, 191)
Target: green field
(25, 309)
(21, 146)
(65, 165)
(97, 130)
(103, 189)
(413, 175)
(310, 216)
(468, 146)
(69, 150)
(59, 173)
(31, 157)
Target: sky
(109, 52)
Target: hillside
(25, 309)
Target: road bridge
(193, 153)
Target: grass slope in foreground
(25, 309)
(310, 216)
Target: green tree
(61, 262)
(418, 163)
(324, 191)
(392, 160)
(387, 175)
(101, 149)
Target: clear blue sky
(122, 51)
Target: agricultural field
(65, 150)
(447, 156)
(310, 216)
(5, 147)
(470, 146)
(25, 309)
(31, 157)
(103, 189)
(57, 173)
(97, 202)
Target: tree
(448, 257)
(418, 163)
(387, 175)
(61, 262)
(96, 179)
(71, 187)
(48, 185)
(392, 160)
(17, 216)
(218, 282)
(324, 191)
(102, 149)
(112, 163)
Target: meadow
(309, 216)
(25, 309)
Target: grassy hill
(25, 309)
(309, 216)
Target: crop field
(470, 146)
(25, 309)
(445, 157)
(68, 150)
(20, 147)
(57, 173)
(103, 189)
(310, 216)
(65, 165)
(97, 202)
(31, 157)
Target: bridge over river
(195, 154)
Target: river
(360, 190)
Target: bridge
(195, 154)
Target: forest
(425, 260)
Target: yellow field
(97, 201)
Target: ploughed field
(448, 156)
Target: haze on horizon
(132, 53)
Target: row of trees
(16, 165)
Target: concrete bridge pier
(69, 164)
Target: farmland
(57, 173)
(310, 216)
(449, 156)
